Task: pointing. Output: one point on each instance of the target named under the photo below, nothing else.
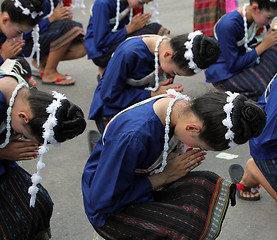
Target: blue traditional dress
(132, 59)
(2, 40)
(52, 36)
(263, 149)
(236, 69)
(118, 196)
(100, 40)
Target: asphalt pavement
(64, 166)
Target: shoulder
(104, 3)
(230, 20)
(131, 47)
(7, 84)
(138, 124)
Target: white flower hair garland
(156, 53)
(227, 122)
(9, 113)
(189, 54)
(36, 45)
(26, 11)
(176, 96)
(48, 135)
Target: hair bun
(206, 51)
(71, 121)
(253, 113)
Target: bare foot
(57, 79)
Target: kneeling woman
(41, 118)
(142, 150)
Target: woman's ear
(255, 7)
(23, 116)
(5, 18)
(193, 128)
(168, 54)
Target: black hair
(70, 118)
(16, 14)
(22, 68)
(248, 119)
(265, 4)
(206, 51)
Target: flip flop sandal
(245, 189)
(59, 80)
(236, 172)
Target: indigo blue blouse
(99, 36)
(233, 59)
(131, 59)
(133, 140)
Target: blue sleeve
(1, 60)
(101, 27)
(227, 38)
(114, 90)
(115, 184)
(44, 25)
(264, 146)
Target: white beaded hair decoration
(189, 54)
(48, 135)
(36, 45)
(175, 96)
(35, 33)
(26, 11)
(156, 59)
(227, 122)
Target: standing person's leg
(253, 175)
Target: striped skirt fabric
(269, 170)
(191, 208)
(206, 14)
(18, 221)
(252, 81)
(58, 34)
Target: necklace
(176, 96)
(246, 41)
(156, 54)
(9, 113)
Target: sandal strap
(243, 188)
